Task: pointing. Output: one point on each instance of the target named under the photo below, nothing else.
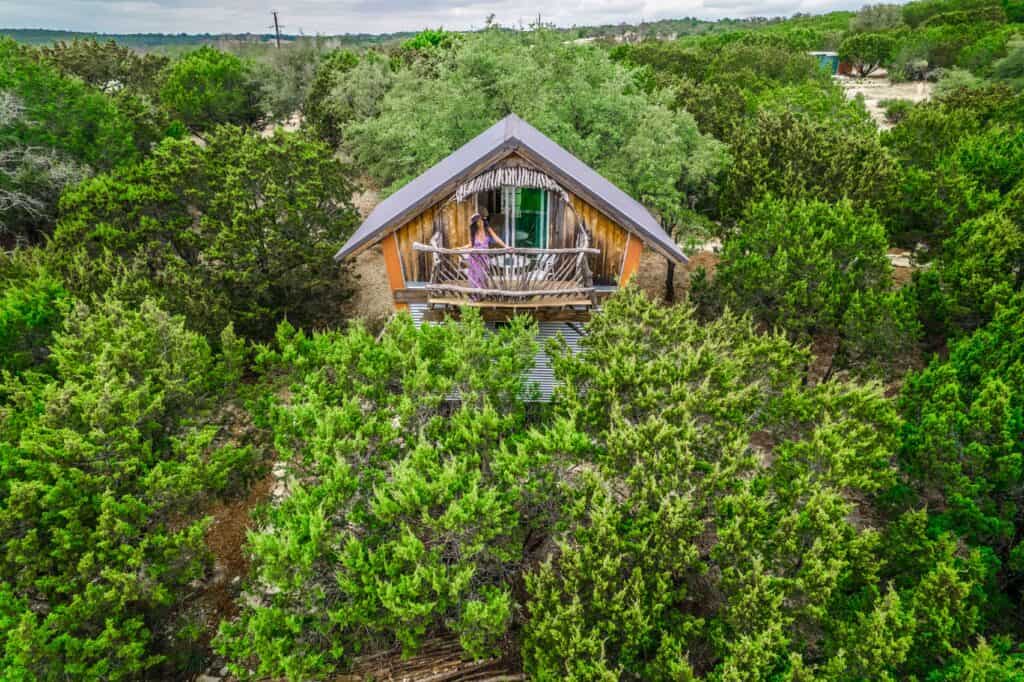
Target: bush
(329, 73)
(32, 304)
(240, 230)
(980, 268)
(896, 109)
(956, 79)
(866, 51)
(53, 131)
(689, 550)
(107, 66)
(406, 515)
(796, 264)
(874, 18)
(104, 466)
(961, 444)
(791, 156)
(208, 87)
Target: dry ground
(875, 90)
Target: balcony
(509, 277)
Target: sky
(371, 16)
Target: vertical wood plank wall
(605, 235)
(393, 264)
(631, 259)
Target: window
(526, 217)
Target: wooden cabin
(572, 236)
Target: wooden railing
(509, 277)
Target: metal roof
(507, 135)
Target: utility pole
(277, 29)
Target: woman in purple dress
(480, 237)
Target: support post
(393, 263)
(631, 261)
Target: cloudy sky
(370, 16)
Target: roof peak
(491, 145)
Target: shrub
(896, 109)
(329, 73)
(32, 303)
(813, 268)
(790, 156)
(242, 229)
(108, 65)
(874, 18)
(104, 466)
(406, 515)
(53, 131)
(688, 551)
(961, 442)
(208, 87)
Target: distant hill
(663, 29)
(150, 41)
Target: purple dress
(478, 261)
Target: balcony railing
(510, 277)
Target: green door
(531, 218)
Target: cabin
(572, 237)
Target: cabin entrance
(519, 214)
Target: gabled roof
(504, 137)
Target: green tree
(406, 515)
(32, 305)
(104, 466)
(961, 442)
(866, 51)
(693, 547)
(791, 156)
(107, 65)
(241, 229)
(577, 96)
(287, 77)
(330, 72)
(351, 93)
(813, 268)
(208, 87)
(54, 131)
(875, 18)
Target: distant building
(830, 61)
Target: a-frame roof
(511, 134)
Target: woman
(480, 237)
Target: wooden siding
(605, 235)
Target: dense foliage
(101, 458)
(576, 96)
(54, 131)
(404, 515)
(811, 469)
(208, 87)
(815, 269)
(239, 230)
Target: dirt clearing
(875, 90)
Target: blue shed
(827, 60)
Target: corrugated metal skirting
(541, 374)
